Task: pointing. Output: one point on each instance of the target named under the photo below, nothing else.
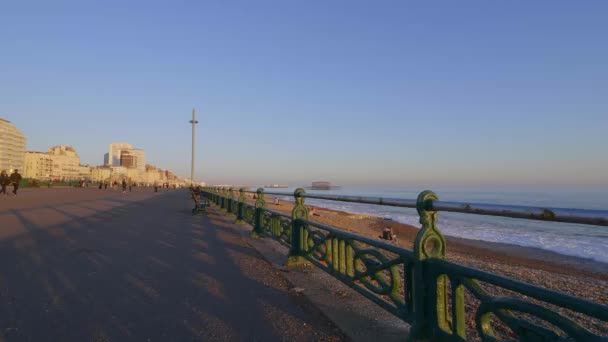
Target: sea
(585, 241)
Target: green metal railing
(441, 300)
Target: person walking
(4, 180)
(124, 186)
(15, 179)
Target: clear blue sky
(355, 92)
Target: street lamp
(193, 122)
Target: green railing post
(219, 197)
(299, 233)
(429, 296)
(230, 199)
(234, 202)
(240, 214)
(223, 199)
(260, 204)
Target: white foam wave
(569, 239)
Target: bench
(200, 204)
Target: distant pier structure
(323, 186)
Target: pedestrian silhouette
(15, 179)
(4, 181)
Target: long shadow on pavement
(143, 270)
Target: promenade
(99, 265)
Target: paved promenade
(99, 265)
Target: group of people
(6, 180)
(15, 179)
(129, 185)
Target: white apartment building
(12, 147)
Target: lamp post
(193, 122)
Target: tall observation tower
(193, 122)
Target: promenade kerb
(419, 285)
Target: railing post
(223, 199)
(231, 199)
(428, 295)
(299, 232)
(233, 202)
(260, 204)
(217, 197)
(240, 213)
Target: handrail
(565, 215)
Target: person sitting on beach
(276, 201)
(387, 234)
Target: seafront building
(101, 173)
(139, 160)
(151, 176)
(115, 152)
(124, 155)
(12, 147)
(60, 162)
(37, 165)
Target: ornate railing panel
(442, 300)
(375, 269)
(505, 308)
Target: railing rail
(566, 215)
(435, 296)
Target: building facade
(12, 147)
(127, 159)
(59, 163)
(115, 152)
(65, 162)
(140, 160)
(101, 173)
(37, 165)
